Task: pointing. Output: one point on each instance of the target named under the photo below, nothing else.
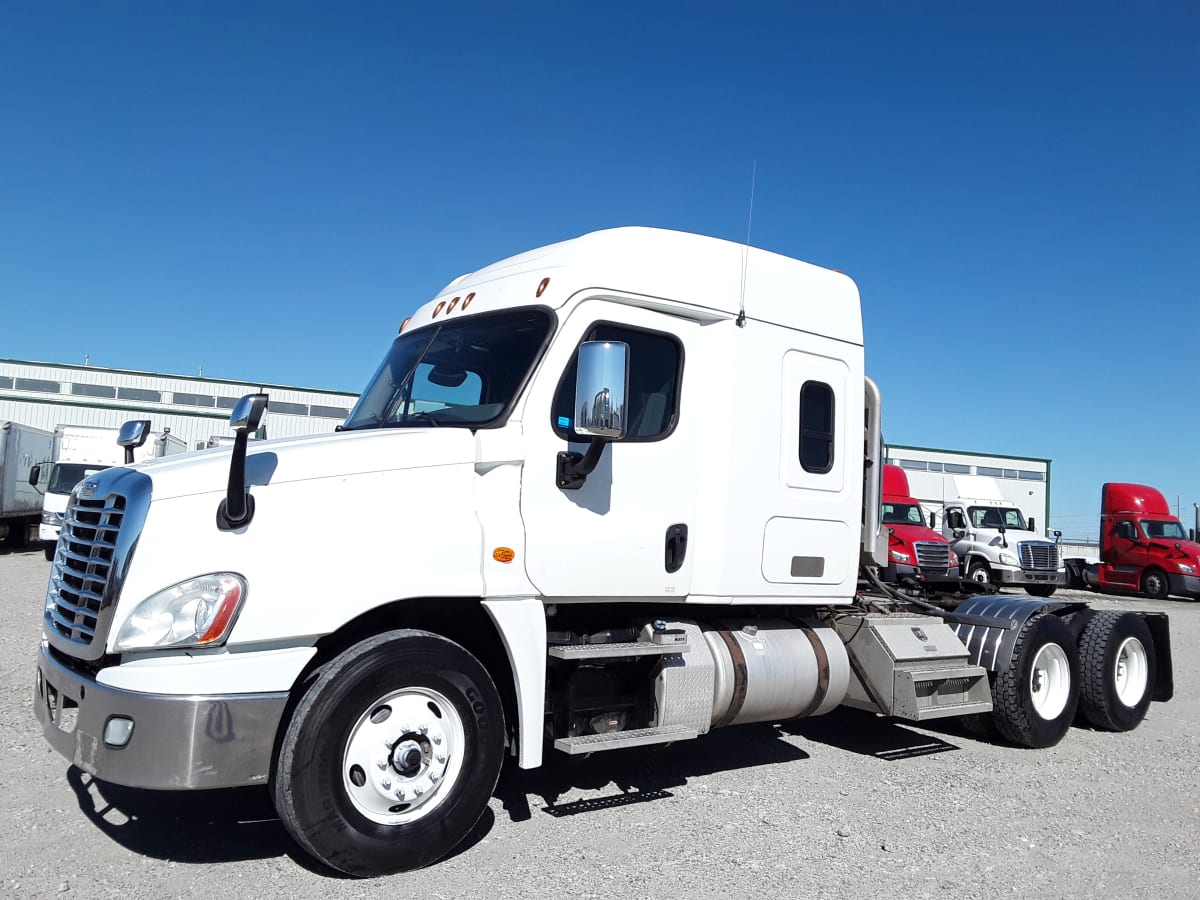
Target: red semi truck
(916, 553)
(1144, 549)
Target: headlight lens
(899, 557)
(1186, 569)
(1009, 560)
(198, 612)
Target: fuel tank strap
(738, 697)
(822, 690)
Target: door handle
(676, 547)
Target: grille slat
(932, 555)
(83, 566)
(1039, 556)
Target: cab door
(1126, 555)
(627, 531)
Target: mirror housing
(1032, 526)
(132, 435)
(237, 509)
(933, 520)
(601, 389)
(34, 475)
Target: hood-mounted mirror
(132, 435)
(237, 509)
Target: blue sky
(267, 189)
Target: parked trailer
(1144, 549)
(574, 547)
(21, 448)
(79, 451)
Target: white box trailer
(618, 491)
(21, 449)
(79, 451)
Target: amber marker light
(453, 303)
(437, 309)
(404, 324)
(467, 299)
(503, 555)
(542, 287)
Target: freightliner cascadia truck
(917, 555)
(620, 492)
(1144, 549)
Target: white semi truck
(619, 492)
(22, 447)
(994, 541)
(79, 451)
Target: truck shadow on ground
(240, 824)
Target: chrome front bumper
(177, 743)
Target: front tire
(48, 552)
(1035, 698)
(1040, 590)
(1155, 584)
(1117, 660)
(390, 757)
(979, 572)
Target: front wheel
(979, 572)
(1040, 590)
(1155, 584)
(1035, 697)
(391, 756)
(1117, 661)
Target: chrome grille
(83, 566)
(100, 530)
(932, 555)
(1039, 556)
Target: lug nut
(434, 776)
(399, 793)
(418, 790)
(437, 738)
(424, 729)
(382, 763)
(386, 784)
(441, 757)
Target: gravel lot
(848, 805)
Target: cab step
(616, 650)
(617, 740)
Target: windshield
(995, 516)
(1163, 530)
(64, 476)
(463, 373)
(902, 514)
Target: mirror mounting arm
(237, 509)
(574, 468)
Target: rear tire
(1117, 661)
(1035, 698)
(390, 758)
(1155, 584)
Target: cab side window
(816, 427)
(655, 371)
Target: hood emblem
(88, 488)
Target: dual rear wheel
(1104, 677)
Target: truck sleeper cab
(617, 495)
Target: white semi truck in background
(621, 491)
(77, 452)
(994, 541)
(21, 449)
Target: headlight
(198, 612)
(51, 518)
(1009, 560)
(1186, 569)
(899, 557)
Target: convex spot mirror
(447, 376)
(601, 388)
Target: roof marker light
(437, 309)
(404, 324)
(453, 303)
(467, 299)
(542, 287)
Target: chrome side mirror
(601, 385)
(132, 435)
(248, 412)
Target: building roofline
(891, 446)
(246, 382)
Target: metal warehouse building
(1024, 481)
(44, 395)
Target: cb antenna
(741, 319)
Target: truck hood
(910, 534)
(311, 457)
